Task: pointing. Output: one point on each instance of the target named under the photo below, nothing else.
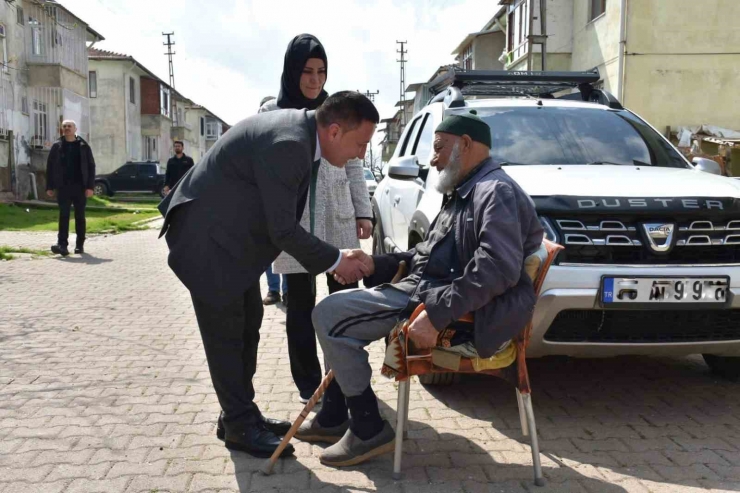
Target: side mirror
(404, 168)
(707, 165)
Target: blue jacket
(496, 228)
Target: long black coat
(55, 168)
(231, 215)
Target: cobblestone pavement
(104, 387)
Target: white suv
(652, 242)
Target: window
(147, 169)
(24, 105)
(35, 36)
(369, 174)
(127, 169)
(150, 149)
(131, 90)
(424, 141)
(165, 101)
(3, 49)
(92, 79)
(212, 129)
(466, 62)
(180, 121)
(576, 136)
(40, 122)
(19, 15)
(598, 7)
(412, 131)
(202, 126)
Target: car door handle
(397, 200)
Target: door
(124, 178)
(405, 198)
(146, 177)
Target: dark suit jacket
(229, 217)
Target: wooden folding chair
(420, 363)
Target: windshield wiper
(635, 162)
(511, 163)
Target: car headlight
(550, 233)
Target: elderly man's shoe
(256, 440)
(312, 431)
(352, 450)
(277, 426)
(271, 298)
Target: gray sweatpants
(347, 321)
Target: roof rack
(452, 87)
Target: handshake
(355, 265)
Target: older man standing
(70, 175)
(472, 261)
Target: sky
(229, 53)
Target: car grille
(644, 326)
(621, 240)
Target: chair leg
(522, 413)
(400, 422)
(407, 396)
(527, 402)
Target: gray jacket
(341, 199)
(496, 228)
(231, 215)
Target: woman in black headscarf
(342, 212)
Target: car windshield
(369, 175)
(561, 135)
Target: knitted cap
(467, 124)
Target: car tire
(727, 367)
(101, 189)
(160, 191)
(439, 379)
(378, 238)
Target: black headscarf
(300, 49)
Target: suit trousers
(67, 196)
(230, 336)
(304, 360)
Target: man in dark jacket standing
(177, 166)
(70, 174)
(230, 217)
(471, 262)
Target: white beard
(450, 176)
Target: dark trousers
(68, 196)
(304, 359)
(231, 335)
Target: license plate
(659, 290)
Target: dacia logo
(659, 235)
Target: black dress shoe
(271, 298)
(277, 426)
(79, 250)
(256, 440)
(60, 250)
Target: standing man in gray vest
(231, 216)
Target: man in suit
(229, 217)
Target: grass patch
(129, 203)
(6, 251)
(24, 218)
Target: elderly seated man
(472, 261)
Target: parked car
(143, 177)
(652, 241)
(370, 180)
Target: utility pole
(371, 96)
(169, 44)
(402, 99)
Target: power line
(370, 95)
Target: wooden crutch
(270, 463)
